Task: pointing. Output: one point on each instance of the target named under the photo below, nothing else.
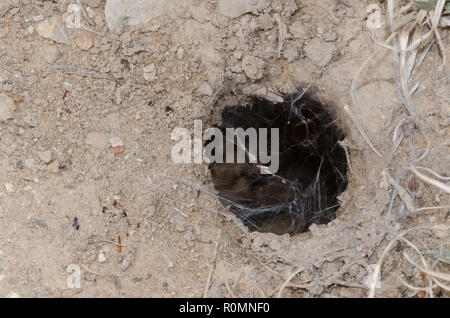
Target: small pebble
(84, 41)
(45, 156)
(330, 36)
(67, 86)
(441, 132)
(128, 259)
(7, 107)
(149, 73)
(180, 53)
(116, 142)
(41, 223)
(50, 53)
(101, 257)
(150, 211)
(9, 187)
(437, 198)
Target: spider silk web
(312, 167)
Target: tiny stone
(180, 53)
(99, 21)
(298, 30)
(45, 156)
(189, 236)
(320, 53)
(31, 121)
(330, 36)
(118, 150)
(53, 29)
(265, 22)
(116, 142)
(8, 87)
(9, 187)
(67, 86)
(101, 257)
(445, 122)
(418, 194)
(275, 245)
(150, 211)
(437, 198)
(441, 132)
(253, 67)
(41, 223)
(149, 72)
(7, 107)
(38, 18)
(90, 12)
(96, 139)
(205, 89)
(50, 53)
(93, 3)
(128, 259)
(84, 41)
(179, 222)
(237, 55)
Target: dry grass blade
(286, 282)
(439, 275)
(436, 183)
(400, 236)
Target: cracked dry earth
(87, 184)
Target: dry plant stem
(361, 131)
(444, 276)
(377, 271)
(213, 265)
(429, 290)
(437, 175)
(435, 23)
(282, 31)
(109, 242)
(229, 289)
(84, 13)
(353, 88)
(403, 194)
(444, 287)
(404, 86)
(433, 208)
(436, 183)
(286, 282)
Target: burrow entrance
(312, 166)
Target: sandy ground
(87, 184)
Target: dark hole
(312, 166)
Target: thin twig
(436, 183)
(286, 282)
(213, 265)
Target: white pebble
(101, 257)
(116, 142)
(45, 156)
(9, 187)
